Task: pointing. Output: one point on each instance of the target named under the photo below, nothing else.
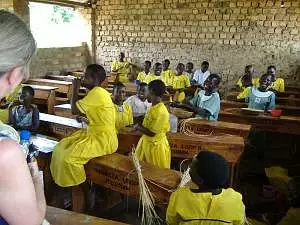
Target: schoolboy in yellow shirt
(153, 146)
(166, 73)
(124, 115)
(179, 82)
(142, 75)
(210, 203)
(156, 75)
(122, 68)
(247, 80)
(277, 83)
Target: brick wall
(229, 34)
(58, 59)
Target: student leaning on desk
(22, 199)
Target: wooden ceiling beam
(64, 3)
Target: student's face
(25, 98)
(272, 72)
(147, 66)
(143, 93)
(189, 67)
(180, 69)
(165, 65)
(121, 56)
(120, 95)
(210, 85)
(249, 71)
(157, 70)
(204, 68)
(265, 82)
(87, 80)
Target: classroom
(150, 112)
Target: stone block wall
(228, 33)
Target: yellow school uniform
(278, 85)
(244, 94)
(156, 150)
(186, 207)
(167, 76)
(100, 138)
(4, 113)
(180, 82)
(123, 70)
(255, 83)
(124, 116)
(142, 76)
(150, 77)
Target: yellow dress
(124, 116)
(4, 113)
(150, 77)
(167, 76)
(278, 85)
(255, 83)
(156, 150)
(100, 138)
(186, 207)
(123, 70)
(180, 82)
(142, 76)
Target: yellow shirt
(142, 76)
(167, 76)
(186, 207)
(124, 116)
(150, 77)
(244, 94)
(123, 69)
(180, 82)
(278, 85)
(255, 82)
(156, 150)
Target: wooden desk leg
(51, 102)
(78, 199)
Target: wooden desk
(62, 86)
(44, 95)
(56, 216)
(284, 124)
(68, 78)
(63, 110)
(292, 88)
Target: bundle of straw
(146, 201)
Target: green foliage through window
(62, 14)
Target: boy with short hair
(167, 73)
(189, 70)
(156, 75)
(142, 75)
(201, 74)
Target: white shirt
(139, 107)
(200, 77)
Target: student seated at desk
(124, 115)
(201, 75)
(277, 83)
(142, 75)
(206, 103)
(156, 75)
(100, 138)
(247, 79)
(210, 203)
(259, 97)
(167, 73)
(179, 82)
(153, 146)
(139, 102)
(122, 68)
(26, 115)
(189, 70)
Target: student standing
(201, 74)
(166, 73)
(153, 146)
(121, 67)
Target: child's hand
(82, 119)
(136, 127)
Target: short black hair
(157, 64)
(190, 63)
(97, 71)
(157, 87)
(216, 76)
(117, 86)
(141, 85)
(248, 67)
(212, 168)
(205, 63)
(180, 64)
(167, 61)
(264, 76)
(272, 66)
(148, 62)
(28, 89)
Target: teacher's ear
(11, 79)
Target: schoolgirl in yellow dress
(156, 75)
(153, 147)
(121, 67)
(210, 203)
(277, 83)
(100, 138)
(124, 114)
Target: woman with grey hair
(22, 199)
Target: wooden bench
(56, 216)
(64, 87)
(283, 124)
(44, 95)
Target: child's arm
(11, 118)
(144, 130)
(35, 119)
(75, 89)
(191, 108)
